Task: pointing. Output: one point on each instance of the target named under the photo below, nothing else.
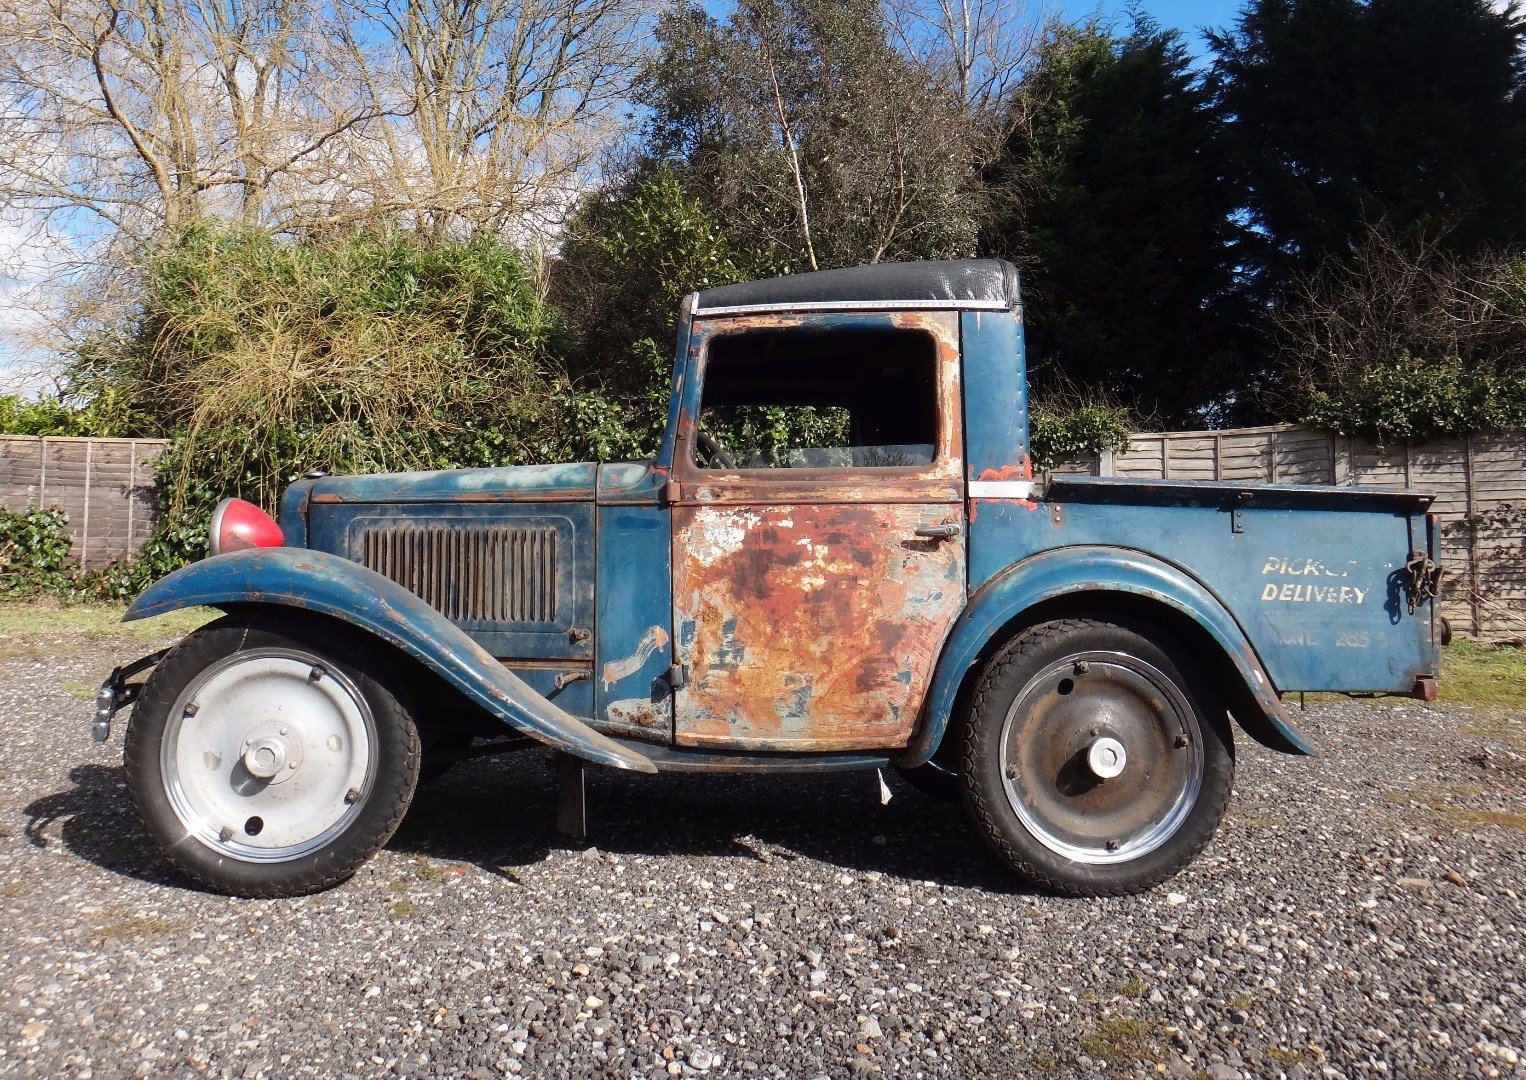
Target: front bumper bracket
(117, 693)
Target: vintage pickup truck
(899, 594)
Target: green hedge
(1419, 400)
(1062, 434)
(34, 552)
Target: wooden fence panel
(104, 485)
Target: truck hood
(519, 483)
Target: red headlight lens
(237, 525)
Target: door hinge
(672, 492)
(678, 676)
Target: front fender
(1092, 569)
(329, 585)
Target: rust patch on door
(810, 627)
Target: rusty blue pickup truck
(886, 586)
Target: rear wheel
(269, 756)
(1093, 764)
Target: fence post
(132, 492)
(84, 538)
(1340, 459)
(1471, 504)
(42, 472)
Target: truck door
(818, 528)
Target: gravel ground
(1359, 914)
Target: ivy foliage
(1057, 434)
(1406, 341)
(1418, 399)
(34, 552)
(57, 415)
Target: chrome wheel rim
(1101, 757)
(267, 755)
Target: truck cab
(839, 558)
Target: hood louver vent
(471, 575)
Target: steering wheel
(714, 452)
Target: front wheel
(1093, 764)
(269, 756)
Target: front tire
(1094, 764)
(270, 756)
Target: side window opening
(793, 399)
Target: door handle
(938, 532)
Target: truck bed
(1314, 575)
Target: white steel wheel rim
(268, 755)
(1137, 710)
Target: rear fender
(1101, 572)
(316, 581)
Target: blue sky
(1191, 17)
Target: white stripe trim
(1001, 489)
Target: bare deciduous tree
(1401, 302)
(976, 50)
(147, 114)
(506, 103)
(122, 121)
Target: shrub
(34, 552)
(1417, 399)
(261, 358)
(1061, 434)
(57, 416)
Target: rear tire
(270, 756)
(1095, 763)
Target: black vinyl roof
(988, 284)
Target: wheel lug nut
(1012, 774)
(283, 731)
(192, 709)
(352, 796)
(1082, 667)
(1181, 742)
(1112, 845)
(225, 834)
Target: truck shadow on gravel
(499, 815)
(95, 820)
